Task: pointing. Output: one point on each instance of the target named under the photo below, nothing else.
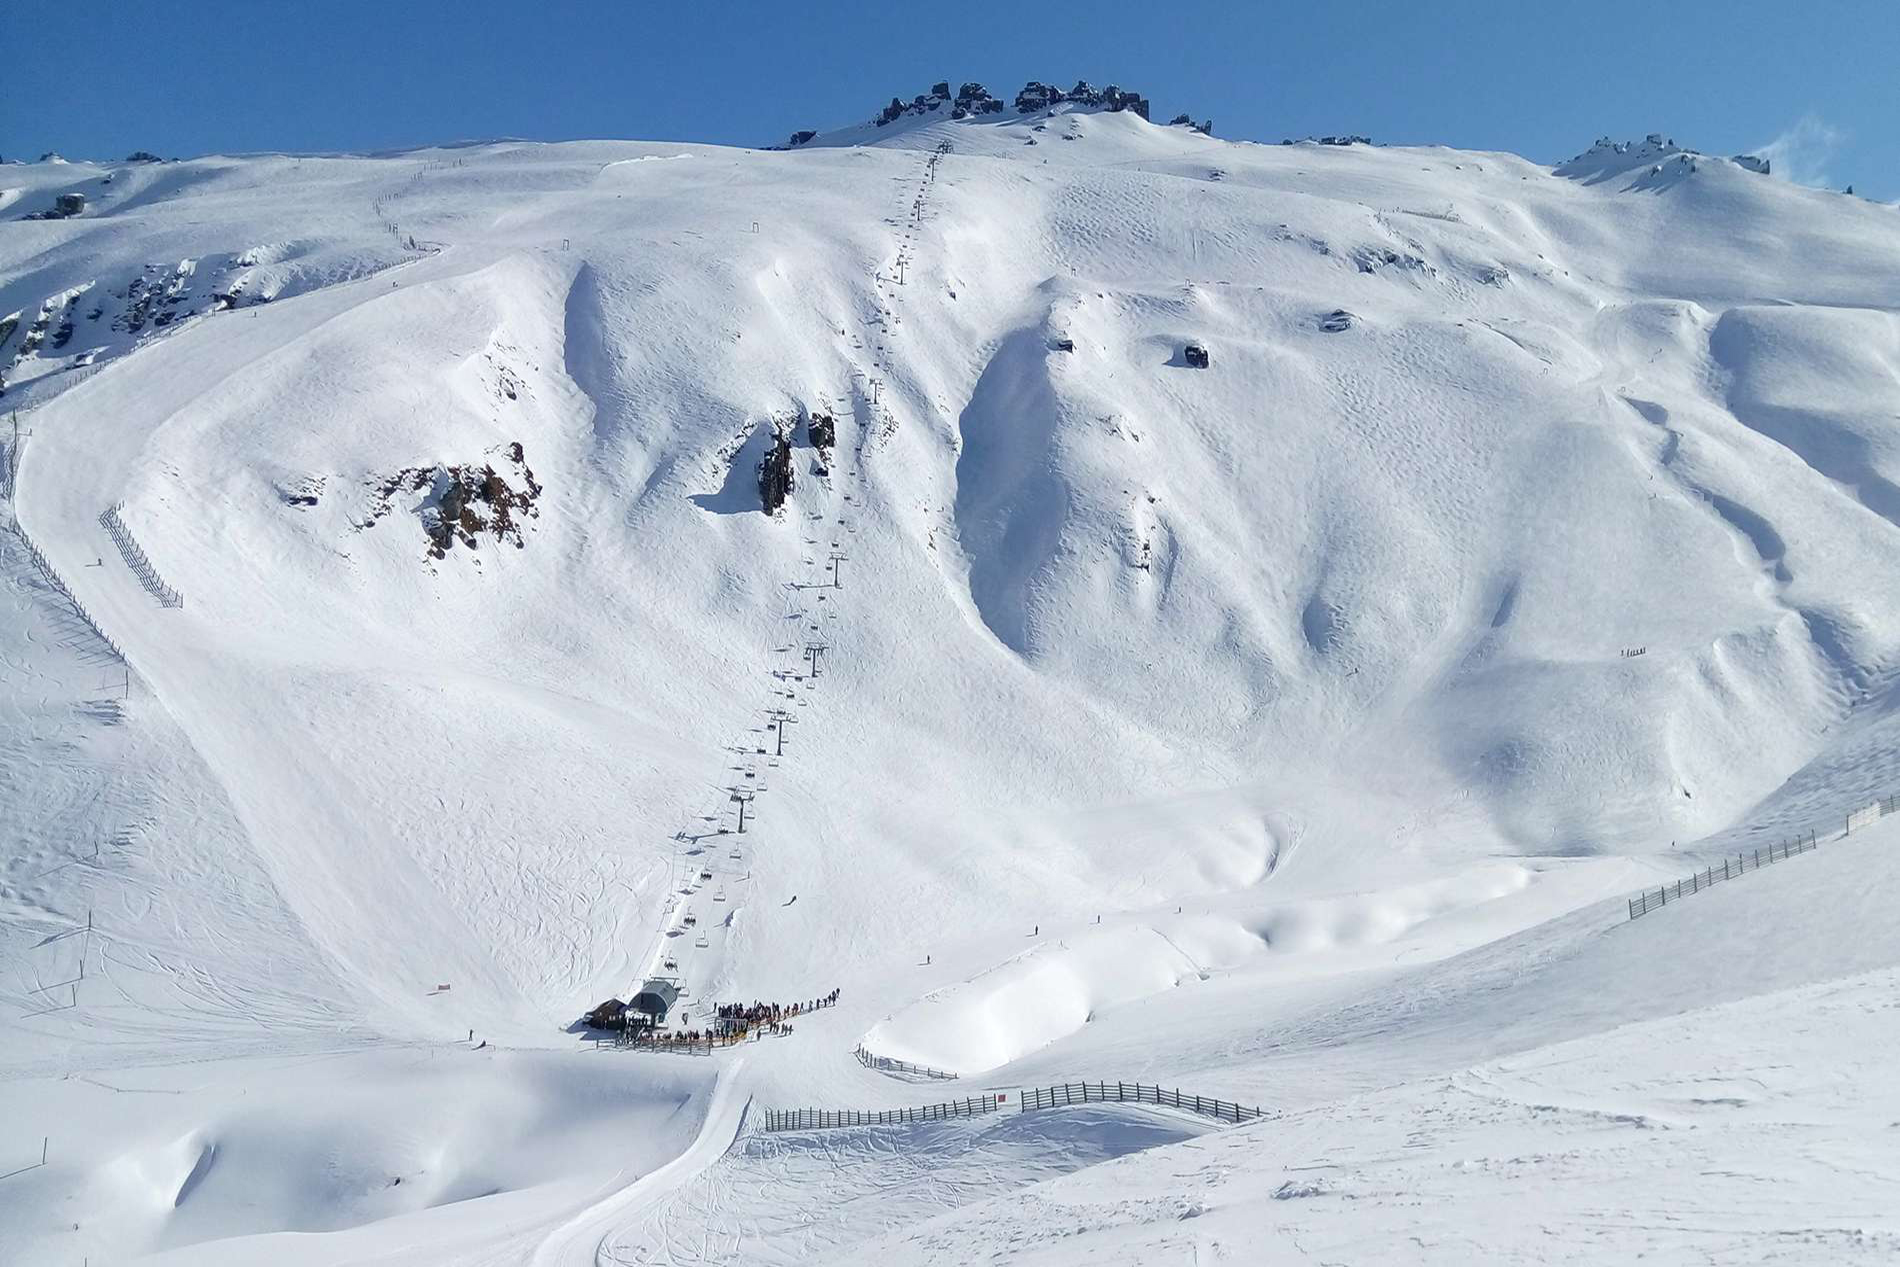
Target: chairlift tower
(780, 719)
(742, 798)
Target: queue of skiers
(773, 1018)
(732, 1023)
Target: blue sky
(1822, 80)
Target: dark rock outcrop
(974, 99)
(462, 502)
(1037, 96)
(823, 432)
(775, 473)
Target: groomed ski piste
(1291, 731)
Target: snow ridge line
(135, 558)
(1062, 1095)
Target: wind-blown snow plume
(1804, 151)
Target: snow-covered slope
(1522, 544)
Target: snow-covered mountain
(1287, 730)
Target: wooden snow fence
(1748, 860)
(1027, 1100)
